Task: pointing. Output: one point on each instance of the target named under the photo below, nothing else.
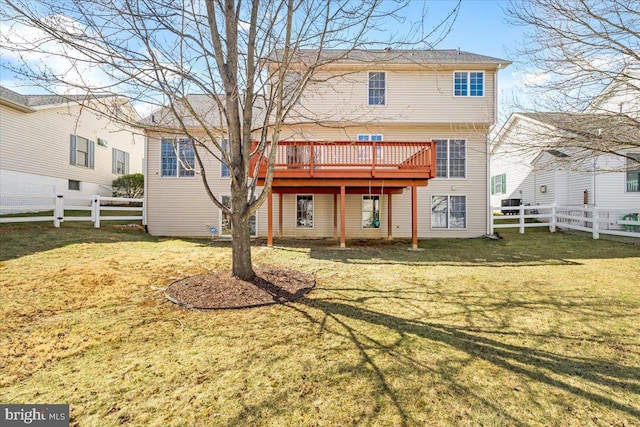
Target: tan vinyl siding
(181, 207)
(38, 143)
(411, 97)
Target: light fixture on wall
(543, 188)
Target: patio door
(225, 221)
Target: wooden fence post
(521, 219)
(595, 224)
(553, 220)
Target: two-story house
(53, 144)
(381, 144)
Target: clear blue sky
(479, 28)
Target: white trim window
(224, 168)
(371, 211)
(364, 153)
(119, 162)
(225, 221)
(499, 184)
(304, 210)
(451, 158)
(81, 151)
(633, 173)
(177, 158)
(449, 212)
(468, 83)
(377, 88)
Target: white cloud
(34, 51)
(532, 78)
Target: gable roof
(28, 102)
(393, 56)
(590, 125)
(580, 128)
(206, 111)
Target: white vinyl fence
(591, 219)
(44, 208)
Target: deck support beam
(270, 219)
(414, 217)
(335, 215)
(280, 233)
(389, 217)
(342, 216)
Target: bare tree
(235, 55)
(584, 59)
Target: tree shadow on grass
(514, 250)
(583, 377)
(17, 241)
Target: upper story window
(119, 162)
(377, 88)
(451, 158)
(364, 153)
(178, 158)
(468, 83)
(81, 151)
(633, 172)
(224, 168)
(499, 184)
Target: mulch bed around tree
(220, 290)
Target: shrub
(129, 186)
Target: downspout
(491, 128)
(593, 181)
(145, 171)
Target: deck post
(335, 215)
(343, 199)
(414, 217)
(389, 217)
(280, 215)
(270, 219)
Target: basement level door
(225, 221)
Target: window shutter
(504, 183)
(92, 151)
(114, 161)
(493, 185)
(126, 163)
(72, 149)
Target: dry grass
(538, 329)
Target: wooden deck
(351, 160)
(343, 167)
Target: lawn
(538, 329)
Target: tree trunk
(241, 234)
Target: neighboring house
(621, 96)
(52, 144)
(382, 144)
(528, 164)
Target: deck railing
(357, 158)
